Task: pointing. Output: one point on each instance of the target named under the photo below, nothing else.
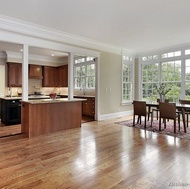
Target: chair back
(184, 101)
(166, 100)
(139, 108)
(167, 110)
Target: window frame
(129, 60)
(86, 62)
(183, 57)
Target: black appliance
(11, 112)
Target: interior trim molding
(26, 28)
(114, 115)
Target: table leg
(183, 117)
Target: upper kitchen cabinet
(62, 80)
(14, 74)
(50, 76)
(35, 71)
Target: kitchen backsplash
(35, 85)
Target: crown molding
(26, 28)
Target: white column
(70, 75)
(25, 73)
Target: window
(151, 57)
(187, 79)
(168, 69)
(187, 51)
(84, 73)
(127, 78)
(171, 75)
(149, 81)
(171, 54)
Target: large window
(149, 81)
(171, 75)
(187, 79)
(84, 73)
(171, 69)
(127, 78)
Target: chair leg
(151, 119)
(179, 121)
(145, 122)
(157, 115)
(133, 120)
(174, 125)
(187, 119)
(164, 120)
(159, 124)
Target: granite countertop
(57, 100)
(82, 96)
(33, 97)
(29, 97)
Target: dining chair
(157, 109)
(168, 111)
(139, 109)
(187, 110)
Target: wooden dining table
(180, 107)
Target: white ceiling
(136, 25)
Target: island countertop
(57, 100)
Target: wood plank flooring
(97, 155)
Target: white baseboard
(114, 115)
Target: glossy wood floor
(98, 155)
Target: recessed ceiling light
(21, 49)
(52, 54)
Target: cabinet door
(88, 106)
(50, 74)
(14, 75)
(63, 76)
(19, 75)
(35, 72)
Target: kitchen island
(47, 116)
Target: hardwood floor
(97, 155)
(6, 131)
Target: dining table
(179, 107)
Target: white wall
(111, 87)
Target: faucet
(84, 90)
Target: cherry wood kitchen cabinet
(35, 71)
(88, 106)
(49, 76)
(62, 80)
(14, 74)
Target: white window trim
(84, 64)
(160, 60)
(123, 102)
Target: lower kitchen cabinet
(10, 112)
(88, 106)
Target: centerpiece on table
(162, 89)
